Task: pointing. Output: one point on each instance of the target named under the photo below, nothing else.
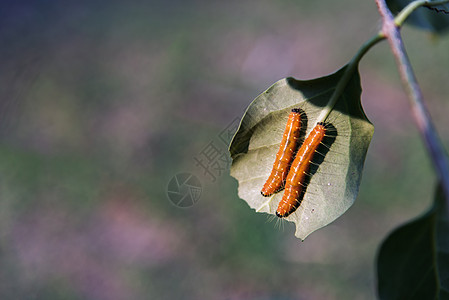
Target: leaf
(417, 255)
(334, 185)
(433, 19)
(413, 262)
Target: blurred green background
(103, 102)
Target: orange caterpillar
(284, 157)
(295, 183)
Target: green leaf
(413, 262)
(334, 185)
(435, 19)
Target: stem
(406, 11)
(349, 71)
(352, 65)
(421, 115)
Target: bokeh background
(103, 102)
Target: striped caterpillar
(284, 157)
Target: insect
(284, 157)
(296, 179)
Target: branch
(390, 29)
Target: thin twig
(420, 112)
(412, 6)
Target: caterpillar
(296, 179)
(284, 157)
